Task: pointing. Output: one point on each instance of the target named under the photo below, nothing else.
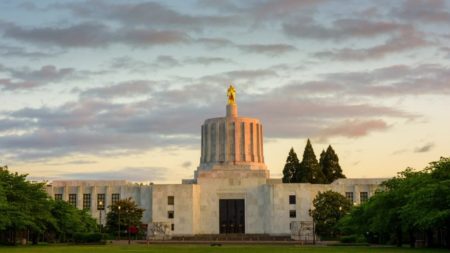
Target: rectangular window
(363, 197)
(292, 213)
(86, 201)
(170, 200)
(114, 198)
(170, 214)
(173, 227)
(349, 196)
(58, 196)
(292, 199)
(73, 199)
(101, 201)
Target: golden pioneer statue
(231, 93)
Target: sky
(119, 89)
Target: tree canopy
(128, 211)
(309, 169)
(291, 167)
(415, 204)
(25, 206)
(329, 165)
(329, 208)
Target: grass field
(207, 248)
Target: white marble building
(231, 191)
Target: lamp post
(100, 203)
(128, 219)
(119, 221)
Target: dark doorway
(232, 216)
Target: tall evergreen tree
(309, 170)
(290, 168)
(329, 164)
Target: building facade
(231, 191)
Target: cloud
(27, 78)
(14, 51)
(395, 80)
(269, 49)
(342, 29)
(396, 44)
(186, 164)
(353, 128)
(425, 148)
(207, 60)
(94, 35)
(436, 11)
(125, 89)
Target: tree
(329, 208)
(70, 221)
(329, 164)
(130, 216)
(309, 170)
(24, 206)
(291, 167)
(415, 204)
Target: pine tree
(309, 170)
(290, 168)
(330, 166)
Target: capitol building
(231, 191)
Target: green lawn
(207, 248)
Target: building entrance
(232, 216)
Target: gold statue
(231, 93)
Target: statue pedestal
(232, 110)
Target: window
(101, 201)
(292, 213)
(170, 214)
(173, 227)
(115, 197)
(363, 197)
(58, 196)
(170, 200)
(292, 199)
(86, 201)
(349, 196)
(73, 199)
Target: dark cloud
(269, 49)
(167, 117)
(398, 43)
(425, 148)
(125, 89)
(146, 14)
(15, 51)
(26, 78)
(93, 34)
(342, 29)
(436, 11)
(186, 164)
(207, 60)
(396, 80)
(353, 128)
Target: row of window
(171, 214)
(363, 197)
(87, 200)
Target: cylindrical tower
(232, 142)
